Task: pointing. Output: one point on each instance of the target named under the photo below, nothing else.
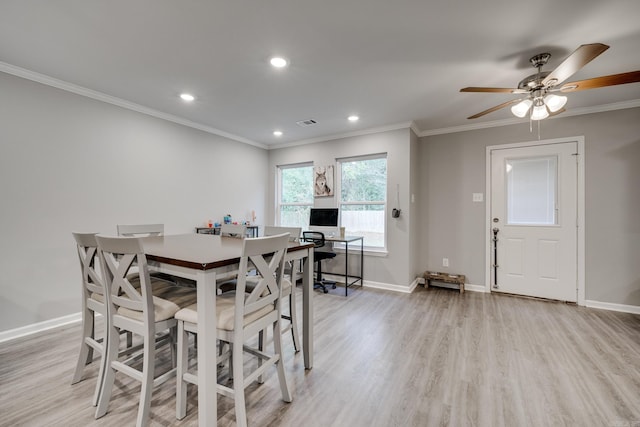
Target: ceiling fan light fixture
(555, 102)
(539, 111)
(522, 108)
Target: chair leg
(108, 372)
(238, 382)
(262, 340)
(277, 348)
(182, 362)
(148, 366)
(85, 351)
(295, 335)
(174, 341)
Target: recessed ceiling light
(187, 97)
(277, 133)
(353, 118)
(278, 62)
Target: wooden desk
(200, 257)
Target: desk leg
(207, 353)
(307, 310)
(346, 268)
(362, 263)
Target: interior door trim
(580, 207)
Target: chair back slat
(294, 232)
(87, 248)
(266, 255)
(131, 230)
(118, 255)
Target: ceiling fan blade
(496, 108)
(574, 62)
(596, 82)
(560, 111)
(493, 90)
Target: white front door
(534, 220)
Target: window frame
(279, 193)
(339, 202)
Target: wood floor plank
(431, 358)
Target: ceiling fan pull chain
(539, 129)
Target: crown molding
(634, 103)
(99, 96)
(396, 126)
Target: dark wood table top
(200, 251)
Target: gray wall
(396, 267)
(70, 163)
(453, 167)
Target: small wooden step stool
(434, 276)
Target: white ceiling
(390, 62)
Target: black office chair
(318, 255)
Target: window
(363, 198)
(295, 195)
(531, 191)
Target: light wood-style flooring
(430, 358)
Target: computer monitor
(323, 217)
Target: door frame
(580, 221)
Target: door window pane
(531, 191)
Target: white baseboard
(23, 331)
(390, 287)
(613, 306)
(377, 285)
(475, 288)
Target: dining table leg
(307, 310)
(207, 352)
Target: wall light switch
(478, 197)
(413, 198)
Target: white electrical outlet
(445, 262)
(478, 197)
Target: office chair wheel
(326, 291)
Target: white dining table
(202, 257)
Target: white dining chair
(142, 310)
(92, 303)
(233, 230)
(241, 316)
(226, 281)
(146, 230)
(289, 284)
(140, 230)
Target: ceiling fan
(541, 101)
